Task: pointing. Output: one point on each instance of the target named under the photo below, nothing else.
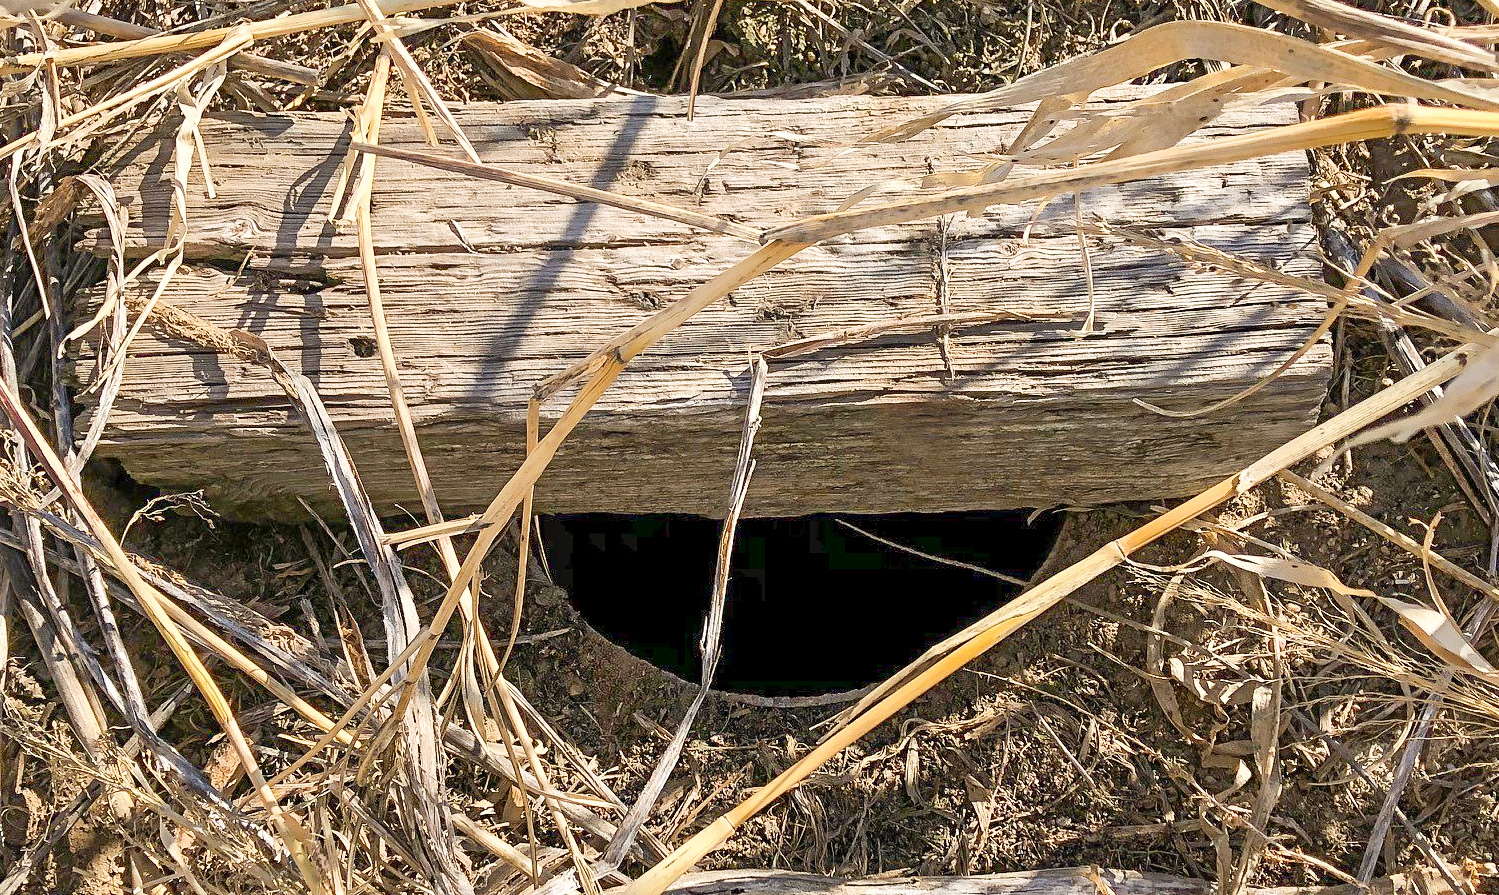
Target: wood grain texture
(490, 289)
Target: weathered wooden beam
(491, 288)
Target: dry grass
(350, 788)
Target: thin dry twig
(711, 643)
(1365, 124)
(708, 222)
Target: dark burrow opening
(816, 604)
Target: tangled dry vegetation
(1313, 656)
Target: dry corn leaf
(1489, 176)
(1294, 571)
(1197, 678)
(525, 72)
(1173, 42)
(1386, 31)
(1441, 635)
(1152, 123)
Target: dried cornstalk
(231, 41)
(953, 654)
(293, 836)
(162, 44)
(1365, 124)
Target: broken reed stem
(426, 640)
(151, 601)
(1000, 624)
(711, 642)
(1243, 46)
(586, 878)
(1365, 124)
(476, 643)
(483, 837)
(517, 605)
(231, 41)
(371, 115)
(523, 549)
(601, 368)
(418, 85)
(708, 222)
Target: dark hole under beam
(813, 605)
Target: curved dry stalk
(293, 836)
(601, 370)
(1174, 42)
(1365, 124)
(1143, 125)
(1323, 328)
(229, 42)
(943, 660)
